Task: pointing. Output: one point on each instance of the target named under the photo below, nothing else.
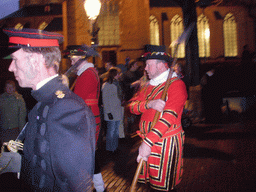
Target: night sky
(8, 6)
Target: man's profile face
(23, 69)
(108, 66)
(152, 68)
(74, 59)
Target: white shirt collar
(84, 67)
(161, 78)
(42, 83)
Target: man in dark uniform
(87, 86)
(59, 138)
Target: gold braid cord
(12, 146)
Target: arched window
(176, 29)
(230, 36)
(154, 31)
(18, 26)
(203, 33)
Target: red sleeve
(138, 105)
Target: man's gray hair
(52, 55)
(160, 61)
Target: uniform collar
(46, 92)
(42, 83)
(84, 67)
(161, 78)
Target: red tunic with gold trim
(88, 88)
(164, 167)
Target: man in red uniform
(87, 86)
(162, 144)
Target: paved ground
(217, 158)
(220, 158)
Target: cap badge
(60, 94)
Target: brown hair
(111, 74)
(9, 82)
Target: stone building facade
(125, 26)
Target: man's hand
(144, 152)
(157, 104)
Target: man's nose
(11, 67)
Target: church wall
(134, 26)
(245, 29)
(24, 3)
(78, 25)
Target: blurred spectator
(128, 79)
(122, 67)
(131, 119)
(103, 72)
(178, 69)
(127, 61)
(12, 112)
(108, 65)
(131, 75)
(112, 97)
(246, 55)
(141, 83)
(212, 95)
(194, 103)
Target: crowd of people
(65, 128)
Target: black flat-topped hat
(80, 50)
(32, 38)
(155, 52)
(29, 38)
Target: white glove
(144, 152)
(157, 104)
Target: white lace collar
(84, 67)
(161, 78)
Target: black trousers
(97, 160)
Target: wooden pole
(156, 117)
(184, 37)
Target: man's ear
(38, 62)
(39, 58)
(161, 66)
(32, 65)
(166, 65)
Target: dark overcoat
(59, 141)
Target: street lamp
(92, 9)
